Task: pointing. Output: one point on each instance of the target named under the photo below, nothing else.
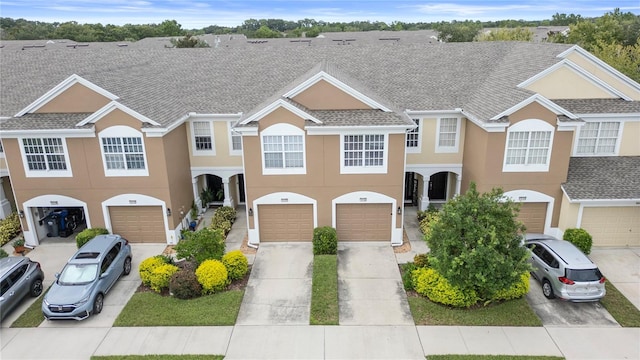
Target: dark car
(19, 277)
(80, 288)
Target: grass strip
(158, 357)
(32, 317)
(324, 293)
(492, 357)
(151, 309)
(509, 313)
(625, 313)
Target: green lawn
(324, 293)
(159, 357)
(510, 313)
(32, 317)
(625, 313)
(151, 309)
(492, 357)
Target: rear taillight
(564, 280)
(602, 280)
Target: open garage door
(613, 226)
(364, 222)
(533, 216)
(138, 224)
(290, 222)
(58, 222)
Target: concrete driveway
(621, 266)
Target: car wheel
(547, 290)
(98, 303)
(127, 266)
(36, 288)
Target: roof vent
(344, 41)
(123, 45)
(257, 41)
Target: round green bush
(421, 260)
(580, 238)
(9, 228)
(161, 275)
(325, 241)
(184, 285)
(213, 276)
(516, 291)
(85, 235)
(430, 218)
(148, 265)
(427, 282)
(236, 263)
(3, 254)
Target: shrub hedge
(236, 263)
(9, 228)
(580, 238)
(85, 235)
(516, 291)
(201, 245)
(427, 282)
(226, 213)
(148, 265)
(213, 276)
(3, 254)
(160, 276)
(325, 241)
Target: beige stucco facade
(428, 153)
(325, 96)
(630, 140)
(552, 86)
(604, 75)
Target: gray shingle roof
(599, 106)
(49, 121)
(166, 84)
(603, 178)
(359, 118)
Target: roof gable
(548, 104)
(61, 88)
(107, 109)
(280, 103)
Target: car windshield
(584, 274)
(78, 274)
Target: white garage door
(364, 222)
(291, 222)
(533, 216)
(138, 224)
(613, 226)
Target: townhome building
(306, 135)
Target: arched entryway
(431, 185)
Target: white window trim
(528, 126)
(230, 134)
(365, 169)
(415, 149)
(1, 149)
(45, 173)
(120, 131)
(616, 151)
(283, 129)
(197, 152)
(456, 146)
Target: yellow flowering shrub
(213, 276)
(236, 263)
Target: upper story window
(528, 147)
(598, 138)
(123, 152)
(283, 150)
(413, 138)
(203, 138)
(448, 135)
(45, 157)
(235, 140)
(363, 154)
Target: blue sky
(201, 13)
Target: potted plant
(18, 245)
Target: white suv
(563, 270)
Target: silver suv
(19, 276)
(563, 270)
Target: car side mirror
(57, 275)
(1, 298)
(104, 275)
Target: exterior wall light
(168, 212)
(250, 212)
(399, 210)
(21, 213)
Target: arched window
(528, 147)
(123, 152)
(283, 150)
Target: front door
(438, 186)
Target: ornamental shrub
(85, 235)
(148, 265)
(407, 272)
(213, 276)
(236, 263)
(220, 223)
(430, 218)
(9, 228)
(161, 275)
(429, 283)
(325, 241)
(421, 260)
(201, 245)
(580, 238)
(227, 213)
(3, 254)
(516, 291)
(184, 285)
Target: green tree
(170, 28)
(188, 41)
(625, 59)
(456, 31)
(517, 34)
(475, 244)
(264, 32)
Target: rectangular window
(202, 136)
(124, 153)
(528, 147)
(283, 151)
(363, 153)
(44, 154)
(236, 142)
(447, 136)
(413, 136)
(598, 138)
